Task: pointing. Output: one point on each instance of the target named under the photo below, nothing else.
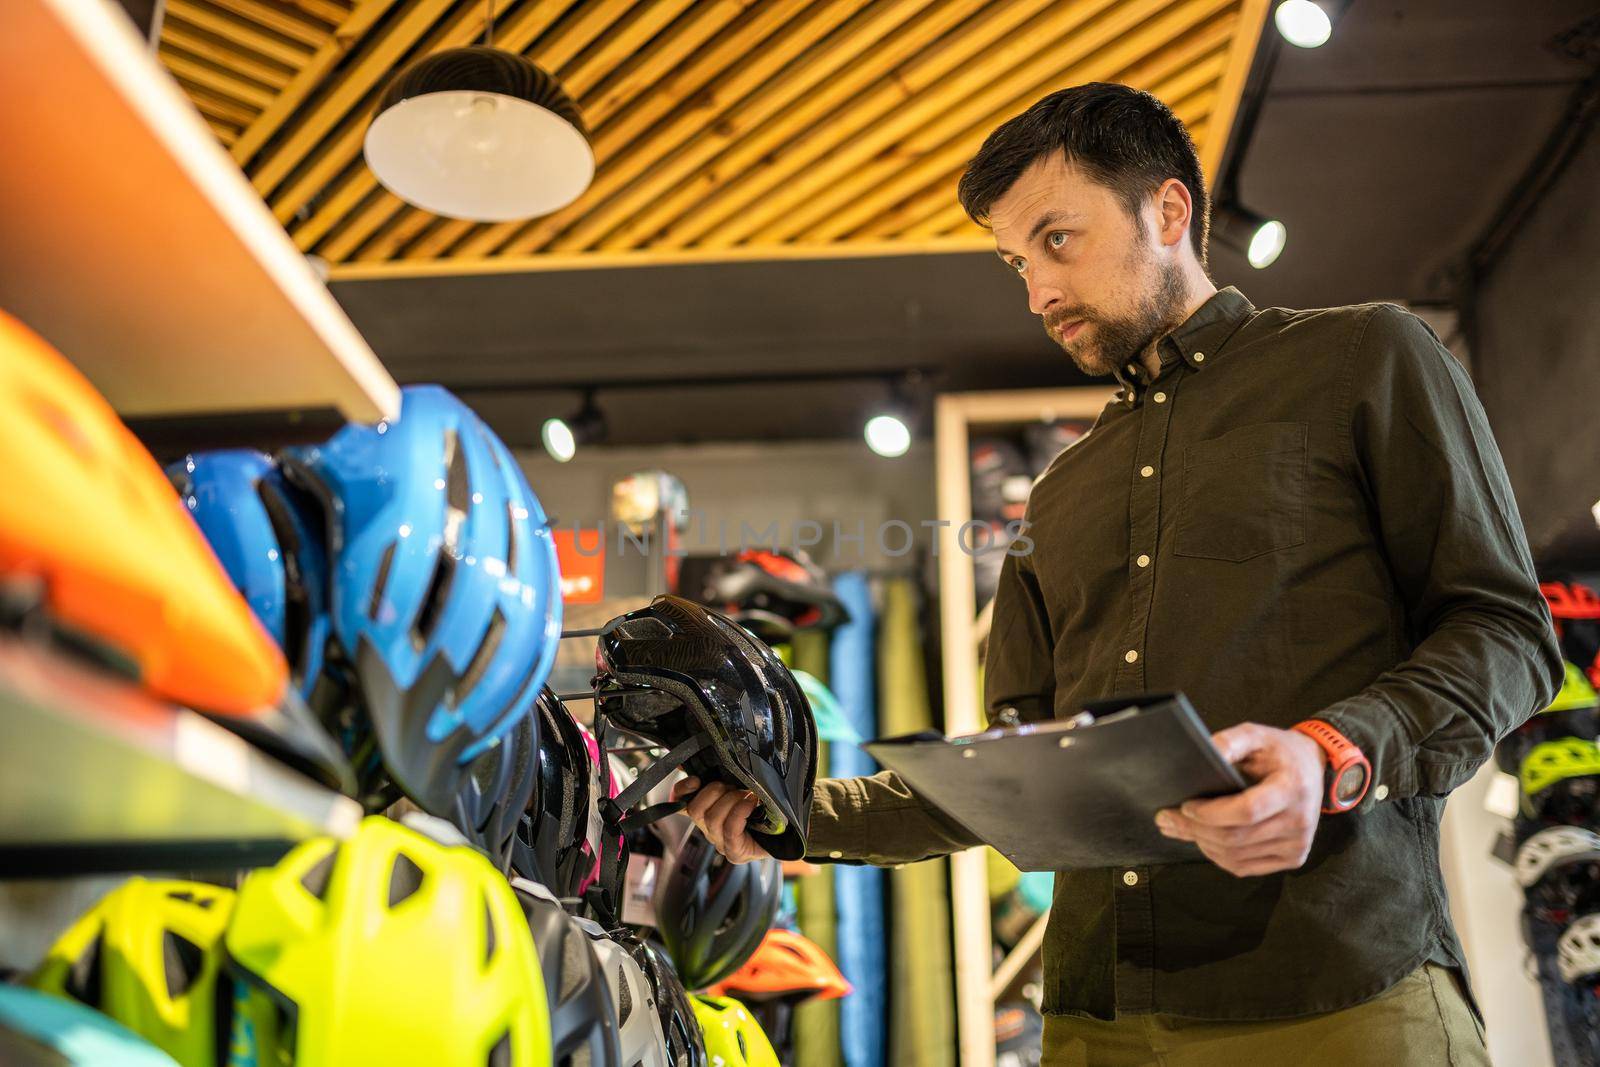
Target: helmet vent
(189, 898)
(83, 978)
(781, 715)
(744, 1051)
(572, 966)
(181, 959)
(484, 656)
(315, 879)
(457, 482)
(511, 540)
(624, 997)
(380, 581)
(644, 629)
(500, 1055)
(488, 934)
(296, 608)
(444, 569)
(405, 878)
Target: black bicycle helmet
(686, 1046)
(550, 845)
(583, 1020)
(494, 795)
(721, 702)
(712, 914)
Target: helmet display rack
(95, 774)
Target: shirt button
(1159, 398)
(1132, 655)
(1143, 560)
(1146, 471)
(1381, 793)
(1199, 357)
(836, 855)
(1130, 878)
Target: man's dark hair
(1120, 137)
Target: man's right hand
(721, 812)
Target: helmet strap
(615, 810)
(614, 813)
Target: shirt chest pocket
(1244, 493)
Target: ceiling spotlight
(480, 133)
(888, 435)
(1303, 24)
(1259, 239)
(563, 436)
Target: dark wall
(1536, 354)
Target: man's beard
(1105, 344)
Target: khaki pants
(1422, 1021)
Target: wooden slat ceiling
(722, 128)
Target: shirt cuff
(833, 833)
(1369, 723)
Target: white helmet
(1555, 847)
(639, 1022)
(1578, 952)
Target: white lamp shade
(469, 135)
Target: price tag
(1501, 798)
(639, 891)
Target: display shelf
(134, 244)
(96, 776)
(1018, 957)
(969, 891)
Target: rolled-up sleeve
(878, 819)
(1483, 654)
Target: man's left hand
(1268, 827)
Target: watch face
(1350, 782)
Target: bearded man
(1300, 519)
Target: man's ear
(1174, 211)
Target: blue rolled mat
(858, 891)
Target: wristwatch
(1349, 772)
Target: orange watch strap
(1343, 754)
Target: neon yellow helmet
(1551, 761)
(732, 1035)
(391, 948)
(149, 955)
(1576, 692)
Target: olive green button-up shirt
(1304, 515)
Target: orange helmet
(786, 965)
(88, 513)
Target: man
(1300, 519)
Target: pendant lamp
(480, 133)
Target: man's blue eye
(1055, 243)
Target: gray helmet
(712, 914)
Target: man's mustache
(1055, 320)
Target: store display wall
(1537, 339)
(760, 484)
(1484, 901)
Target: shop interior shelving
(133, 243)
(96, 776)
(956, 416)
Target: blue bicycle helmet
(445, 594)
(268, 536)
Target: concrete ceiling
(1386, 153)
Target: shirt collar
(1200, 337)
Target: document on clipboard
(1071, 794)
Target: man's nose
(1042, 297)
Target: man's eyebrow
(1048, 219)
